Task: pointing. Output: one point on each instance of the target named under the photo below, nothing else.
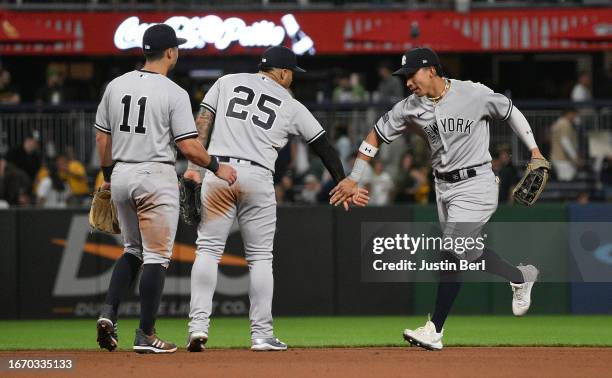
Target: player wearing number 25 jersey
(252, 116)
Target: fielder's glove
(190, 202)
(528, 190)
(103, 214)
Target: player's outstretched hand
(345, 190)
(193, 175)
(105, 186)
(360, 199)
(227, 172)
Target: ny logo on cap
(403, 60)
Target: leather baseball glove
(103, 214)
(190, 202)
(528, 190)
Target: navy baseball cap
(160, 37)
(280, 57)
(415, 59)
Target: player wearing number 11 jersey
(142, 115)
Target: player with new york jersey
(453, 116)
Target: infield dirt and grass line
(337, 331)
(475, 346)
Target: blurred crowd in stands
(34, 175)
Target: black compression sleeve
(329, 156)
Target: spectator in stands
(411, 184)
(582, 89)
(53, 190)
(284, 190)
(8, 93)
(390, 88)
(343, 145)
(349, 89)
(564, 146)
(506, 173)
(392, 154)
(27, 156)
(310, 189)
(583, 198)
(15, 186)
(74, 173)
(54, 91)
(606, 177)
(381, 185)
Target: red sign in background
(87, 33)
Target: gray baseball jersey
(255, 118)
(145, 113)
(456, 128)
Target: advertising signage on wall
(220, 33)
(346, 32)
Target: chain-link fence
(59, 131)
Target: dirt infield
(336, 362)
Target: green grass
(337, 331)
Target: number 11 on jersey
(142, 104)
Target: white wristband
(367, 149)
(358, 168)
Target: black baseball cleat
(107, 334)
(197, 342)
(144, 343)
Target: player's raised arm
(347, 187)
(330, 158)
(306, 125)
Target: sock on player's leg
(124, 274)
(151, 287)
(448, 289)
(495, 264)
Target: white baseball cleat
(197, 341)
(270, 344)
(521, 293)
(425, 337)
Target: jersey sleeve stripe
(191, 134)
(381, 135)
(102, 128)
(209, 107)
(509, 111)
(315, 137)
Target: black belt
(139, 162)
(455, 176)
(226, 159)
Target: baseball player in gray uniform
(141, 116)
(453, 116)
(250, 117)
